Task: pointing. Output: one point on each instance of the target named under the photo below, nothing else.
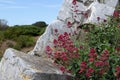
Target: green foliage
(40, 24)
(14, 32)
(104, 36)
(24, 41)
(1, 37)
(21, 36)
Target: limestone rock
(94, 8)
(49, 35)
(97, 8)
(17, 65)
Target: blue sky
(20, 12)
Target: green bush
(1, 37)
(14, 32)
(24, 41)
(40, 24)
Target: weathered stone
(17, 65)
(99, 10)
(49, 35)
(94, 8)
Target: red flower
(56, 30)
(105, 53)
(91, 59)
(98, 18)
(103, 58)
(117, 71)
(48, 48)
(101, 71)
(74, 2)
(76, 11)
(89, 71)
(86, 30)
(81, 47)
(62, 68)
(75, 50)
(85, 15)
(83, 64)
(60, 37)
(81, 70)
(118, 48)
(77, 55)
(98, 63)
(116, 14)
(66, 34)
(92, 50)
(64, 58)
(118, 68)
(69, 24)
(92, 55)
(104, 20)
(55, 41)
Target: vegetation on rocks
(97, 57)
(19, 36)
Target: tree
(40, 24)
(3, 24)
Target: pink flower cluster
(63, 51)
(117, 73)
(100, 64)
(85, 69)
(116, 14)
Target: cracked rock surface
(17, 65)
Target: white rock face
(49, 35)
(17, 65)
(94, 8)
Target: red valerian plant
(80, 62)
(96, 58)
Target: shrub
(24, 41)
(14, 32)
(40, 24)
(1, 37)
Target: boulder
(93, 8)
(17, 65)
(49, 35)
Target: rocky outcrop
(49, 35)
(17, 65)
(93, 8)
